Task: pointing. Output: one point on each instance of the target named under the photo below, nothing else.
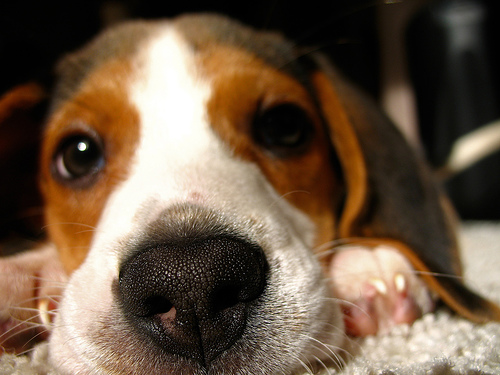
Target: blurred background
(432, 64)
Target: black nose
(193, 297)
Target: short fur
(142, 245)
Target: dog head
(193, 173)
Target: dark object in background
(34, 34)
(451, 65)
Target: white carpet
(438, 344)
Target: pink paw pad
(377, 288)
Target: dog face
(200, 150)
(265, 125)
(196, 176)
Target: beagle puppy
(215, 201)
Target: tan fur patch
(101, 105)
(349, 151)
(242, 84)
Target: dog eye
(283, 130)
(78, 157)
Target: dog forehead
(117, 43)
(125, 40)
(169, 94)
(203, 31)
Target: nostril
(225, 297)
(156, 304)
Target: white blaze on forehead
(170, 97)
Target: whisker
(322, 364)
(31, 348)
(332, 351)
(48, 282)
(86, 231)
(69, 223)
(305, 366)
(27, 309)
(89, 228)
(356, 272)
(283, 196)
(26, 352)
(334, 246)
(21, 304)
(14, 329)
(439, 275)
(31, 340)
(333, 358)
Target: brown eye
(284, 130)
(78, 158)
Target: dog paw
(31, 283)
(377, 288)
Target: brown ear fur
(392, 195)
(20, 202)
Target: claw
(379, 285)
(43, 307)
(400, 282)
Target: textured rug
(438, 344)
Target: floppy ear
(21, 115)
(391, 194)
(30, 282)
